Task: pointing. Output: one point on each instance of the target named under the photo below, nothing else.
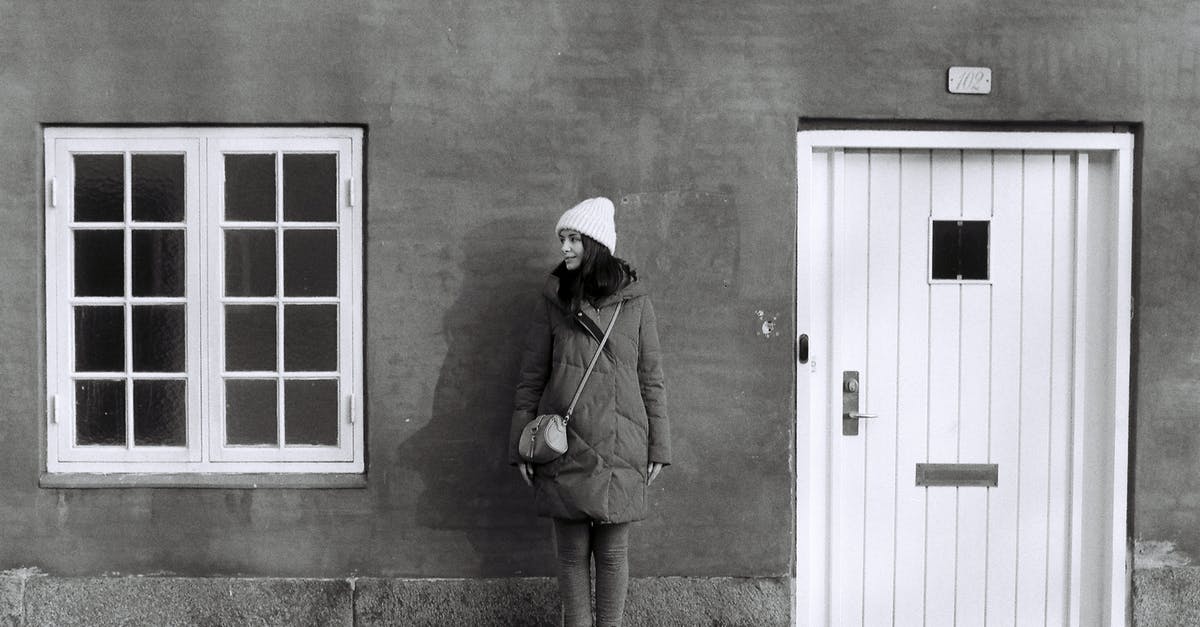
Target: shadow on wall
(460, 455)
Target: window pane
(250, 188)
(310, 338)
(157, 188)
(310, 263)
(99, 339)
(250, 416)
(310, 410)
(250, 343)
(160, 413)
(973, 256)
(99, 263)
(100, 412)
(158, 338)
(250, 263)
(100, 188)
(310, 188)
(158, 263)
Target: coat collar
(634, 289)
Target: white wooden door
(974, 370)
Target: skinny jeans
(577, 542)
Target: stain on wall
(1158, 554)
(485, 121)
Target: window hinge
(53, 191)
(349, 192)
(54, 409)
(350, 407)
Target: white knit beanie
(594, 218)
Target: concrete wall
(485, 120)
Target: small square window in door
(959, 250)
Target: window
(204, 300)
(959, 250)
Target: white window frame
(203, 149)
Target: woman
(618, 436)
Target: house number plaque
(969, 80)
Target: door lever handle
(850, 413)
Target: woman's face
(571, 247)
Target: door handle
(850, 413)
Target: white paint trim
(186, 132)
(154, 467)
(966, 140)
(803, 583)
(1121, 555)
(203, 298)
(811, 600)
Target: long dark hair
(600, 274)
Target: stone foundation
(32, 599)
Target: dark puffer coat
(620, 422)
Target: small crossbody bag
(544, 438)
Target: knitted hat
(594, 218)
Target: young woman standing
(618, 436)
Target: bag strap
(595, 358)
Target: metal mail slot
(933, 475)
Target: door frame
(811, 593)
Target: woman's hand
(652, 472)
(526, 469)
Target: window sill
(305, 481)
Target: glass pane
(250, 412)
(310, 338)
(99, 263)
(250, 342)
(157, 182)
(158, 263)
(310, 411)
(100, 412)
(160, 413)
(100, 188)
(960, 250)
(973, 253)
(310, 263)
(310, 188)
(250, 263)
(250, 188)
(100, 339)
(158, 338)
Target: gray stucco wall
(487, 119)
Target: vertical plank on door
(1004, 402)
(975, 373)
(1058, 515)
(879, 386)
(1079, 613)
(944, 336)
(851, 327)
(912, 401)
(1034, 430)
